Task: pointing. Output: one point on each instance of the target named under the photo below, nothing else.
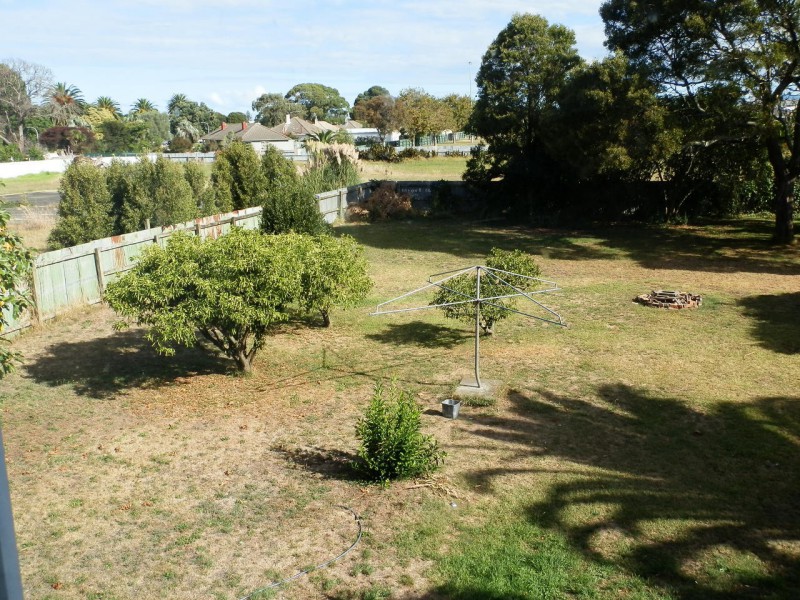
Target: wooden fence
(77, 276)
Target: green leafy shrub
(15, 266)
(392, 443)
(414, 153)
(10, 153)
(334, 274)
(85, 211)
(379, 152)
(180, 144)
(464, 286)
(232, 290)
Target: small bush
(414, 153)
(392, 443)
(379, 152)
(443, 199)
(385, 203)
(10, 153)
(180, 144)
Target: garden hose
(320, 566)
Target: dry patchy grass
(654, 451)
(449, 168)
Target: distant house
(254, 134)
(300, 129)
(358, 132)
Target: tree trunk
(244, 363)
(784, 194)
(784, 212)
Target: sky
(227, 53)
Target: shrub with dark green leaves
(392, 443)
(415, 153)
(379, 152)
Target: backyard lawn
(637, 453)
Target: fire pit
(667, 299)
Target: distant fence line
(76, 276)
(441, 145)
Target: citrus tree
(231, 290)
(335, 275)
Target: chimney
(288, 119)
(244, 125)
(222, 127)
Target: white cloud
(223, 51)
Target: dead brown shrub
(385, 203)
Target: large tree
(368, 94)
(190, 119)
(320, 101)
(378, 112)
(65, 105)
(23, 86)
(460, 109)
(271, 109)
(749, 46)
(518, 82)
(419, 113)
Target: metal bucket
(450, 408)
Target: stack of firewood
(668, 299)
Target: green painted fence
(77, 276)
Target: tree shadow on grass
(472, 240)
(329, 464)
(104, 366)
(705, 504)
(777, 321)
(742, 245)
(420, 333)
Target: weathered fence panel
(76, 276)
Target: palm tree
(142, 105)
(326, 136)
(108, 104)
(176, 101)
(65, 104)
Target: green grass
(422, 169)
(638, 453)
(39, 182)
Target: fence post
(37, 301)
(197, 229)
(342, 203)
(98, 266)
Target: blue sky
(227, 52)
